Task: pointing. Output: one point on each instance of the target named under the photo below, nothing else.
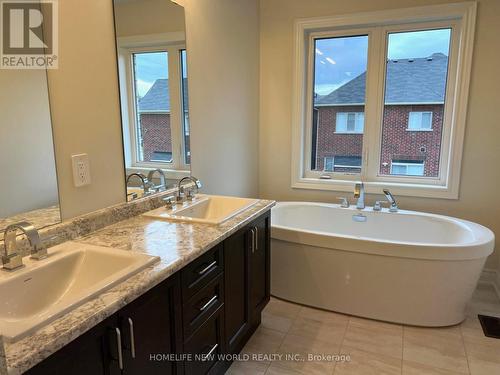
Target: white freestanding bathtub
(405, 267)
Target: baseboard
(491, 277)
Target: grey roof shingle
(157, 99)
(409, 81)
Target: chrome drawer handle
(210, 352)
(132, 337)
(253, 239)
(256, 238)
(210, 301)
(207, 268)
(119, 346)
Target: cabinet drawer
(202, 305)
(200, 271)
(204, 346)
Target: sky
(148, 68)
(151, 66)
(338, 60)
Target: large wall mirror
(28, 191)
(153, 76)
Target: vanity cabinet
(148, 330)
(247, 279)
(210, 307)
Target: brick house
(154, 117)
(412, 124)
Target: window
(346, 164)
(152, 106)
(420, 121)
(388, 88)
(339, 86)
(407, 167)
(155, 108)
(185, 107)
(350, 122)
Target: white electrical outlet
(81, 169)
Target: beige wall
(85, 109)
(27, 163)
(148, 17)
(480, 169)
(223, 66)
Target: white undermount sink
(205, 209)
(73, 273)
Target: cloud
(142, 87)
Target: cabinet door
(259, 266)
(150, 332)
(237, 318)
(95, 352)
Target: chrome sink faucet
(190, 194)
(392, 201)
(163, 180)
(144, 181)
(11, 259)
(359, 193)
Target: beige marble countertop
(176, 244)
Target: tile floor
(373, 347)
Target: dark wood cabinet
(260, 263)
(149, 330)
(209, 308)
(247, 259)
(94, 352)
(236, 280)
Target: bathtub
(405, 267)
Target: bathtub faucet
(359, 193)
(392, 201)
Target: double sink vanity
(168, 290)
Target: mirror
(28, 191)
(152, 56)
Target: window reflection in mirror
(153, 77)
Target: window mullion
(175, 106)
(373, 102)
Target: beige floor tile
(478, 367)
(374, 337)
(277, 370)
(276, 322)
(413, 368)
(314, 356)
(278, 307)
(483, 353)
(331, 331)
(264, 341)
(322, 315)
(247, 368)
(436, 347)
(365, 363)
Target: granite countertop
(177, 244)
(40, 218)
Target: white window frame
(172, 43)
(356, 117)
(407, 165)
(460, 17)
(420, 129)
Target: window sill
(375, 187)
(418, 130)
(336, 132)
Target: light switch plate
(81, 170)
